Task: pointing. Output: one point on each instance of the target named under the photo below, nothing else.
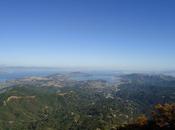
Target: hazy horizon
(86, 69)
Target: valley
(62, 102)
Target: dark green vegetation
(69, 108)
(83, 105)
(147, 90)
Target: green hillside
(90, 105)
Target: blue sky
(114, 34)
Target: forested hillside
(87, 105)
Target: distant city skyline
(98, 34)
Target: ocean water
(93, 77)
(17, 73)
(22, 74)
(107, 76)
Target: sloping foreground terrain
(58, 103)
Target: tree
(142, 120)
(164, 115)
